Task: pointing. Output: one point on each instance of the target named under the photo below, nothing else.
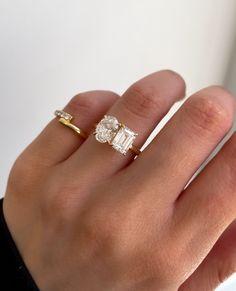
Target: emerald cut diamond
(123, 140)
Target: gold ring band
(65, 119)
(72, 126)
(135, 149)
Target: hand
(85, 217)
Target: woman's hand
(85, 217)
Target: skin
(84, 217)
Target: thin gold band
(135, 149)
(65, 119)
(72, 126)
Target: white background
(51, 50)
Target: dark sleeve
(14, 275)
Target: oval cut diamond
(106, 129)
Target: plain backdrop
(51, 50)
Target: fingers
(219, 264)
(141, 107)
(57, 142)
(186, 141)
(208, 205)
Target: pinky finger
(203, 213)
(219, 264)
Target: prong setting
(63, 114)
(116, 134)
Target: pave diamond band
(63, 114)
(65, 119)
(116, 134)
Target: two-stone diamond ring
(120, 137)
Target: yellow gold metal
(68, 123)
(135, 150)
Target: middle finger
(186, 141)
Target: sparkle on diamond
(111, 131)
(106, 129)
(123, 140)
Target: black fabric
(14, 275)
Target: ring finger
(141, 107)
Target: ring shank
(135, 150)
(72, 126)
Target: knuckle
(109, 93)
(175, 254)
(180, 83)
(24, 174)
(218, 205)
(91, 98)
(59, 203)
(158, 263)
(208, 115)
(82, 101)
(217, 90)
(18, 171)
(142, 101)
(100, 232)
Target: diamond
(63, 114)
(106, 129)
(119, 136)
(123, 140)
